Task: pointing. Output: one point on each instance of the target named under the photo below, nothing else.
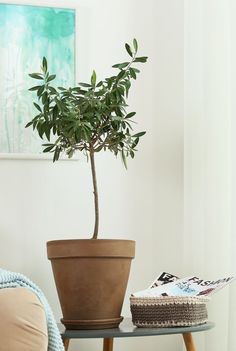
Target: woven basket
(168, 311)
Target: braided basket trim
(166, 300)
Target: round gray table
(127, 329)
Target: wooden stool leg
(108, 344)
(189, 343)
(66, 343)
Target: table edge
(118, 333)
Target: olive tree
(90, 117)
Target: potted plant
(91, 275)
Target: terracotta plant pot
(91, 278)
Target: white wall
(40, 201)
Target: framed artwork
(27, 33)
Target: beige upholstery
(22, 321)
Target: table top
(127, 329)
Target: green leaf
(118, 96)
(35, 88)
(49, 148)
(40, 90)
(99, 148)
(93, 78)
(85, 85)
(45, 65)
(128, 49)
(121, 65)
(127, 87)
(44, 97)
(47, 131)
(38, 107)
(53, 76)
(132, 73)
(135, 44)
(55, 156)
(100, 84)
(131, 114)
(35, 76)
(141, 59)
(60, 105)
(55, 112)
(132, 153)
(138, 135)
(52, 90)
(40, 128)
(121, 75)
(29, 124)
(135, 143)
(124, 158)
(35, 124)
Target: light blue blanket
(14, 280)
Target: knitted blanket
(14, 280)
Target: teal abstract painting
(27, 33)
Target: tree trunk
(95, 193)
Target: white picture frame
(69, 5)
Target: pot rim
(82, 248)
(61, 241)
